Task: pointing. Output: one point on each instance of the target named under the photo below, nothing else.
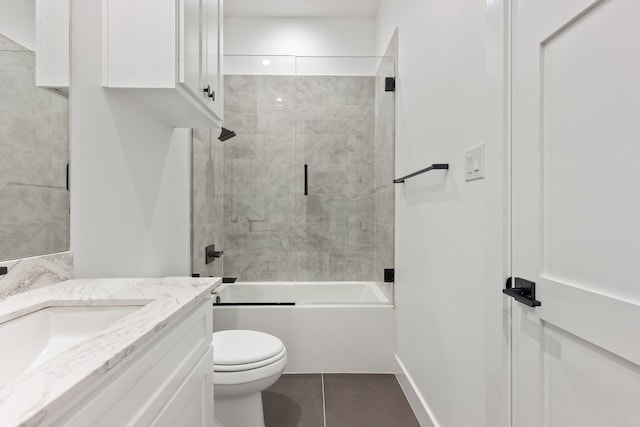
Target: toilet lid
(239, 347)
(250, 366)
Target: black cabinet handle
(306, 180)
(524, 291)
(212, 95)
(207, 90)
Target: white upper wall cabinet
(213, 54)
(168, 54)
(52, 43)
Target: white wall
(130, 179)
(299, 36)
(18, 21)
(450, 234)
(302, 37)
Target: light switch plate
(474, 163)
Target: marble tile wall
(261, 233)
(206, 198)
(272, 230)
(384, 167)
(34, 213)
(34, 272)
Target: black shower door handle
(306, 179)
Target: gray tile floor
(337, 400)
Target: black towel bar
(432, 167)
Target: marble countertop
(47, 388)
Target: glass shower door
(335, 138)
(332, 115)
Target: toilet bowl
(244, 364)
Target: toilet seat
(248, 366)
(236, 378)
(241, 350)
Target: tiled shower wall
(206, 198)
(261, 233)
(272, 230)
(34, 213)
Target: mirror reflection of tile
(34, 153)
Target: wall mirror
(34, 154)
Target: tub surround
(46, 389)
(272, 230)
(206, 200)
(35, 272)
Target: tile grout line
(324, 410)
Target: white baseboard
(418, 404)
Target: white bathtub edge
(271, 292)
(341, 305)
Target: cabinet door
(212, 47)
(192, 405)
(191, 46)
(178, 363)
(52, 43)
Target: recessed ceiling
(302, 8)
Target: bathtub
(301, 293)
(326, 326)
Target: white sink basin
(35, 338)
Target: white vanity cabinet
(168, 54)
(167, 382)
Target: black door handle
(524, 291)
(306, 180)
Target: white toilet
(244, 364)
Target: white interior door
(576, 211)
